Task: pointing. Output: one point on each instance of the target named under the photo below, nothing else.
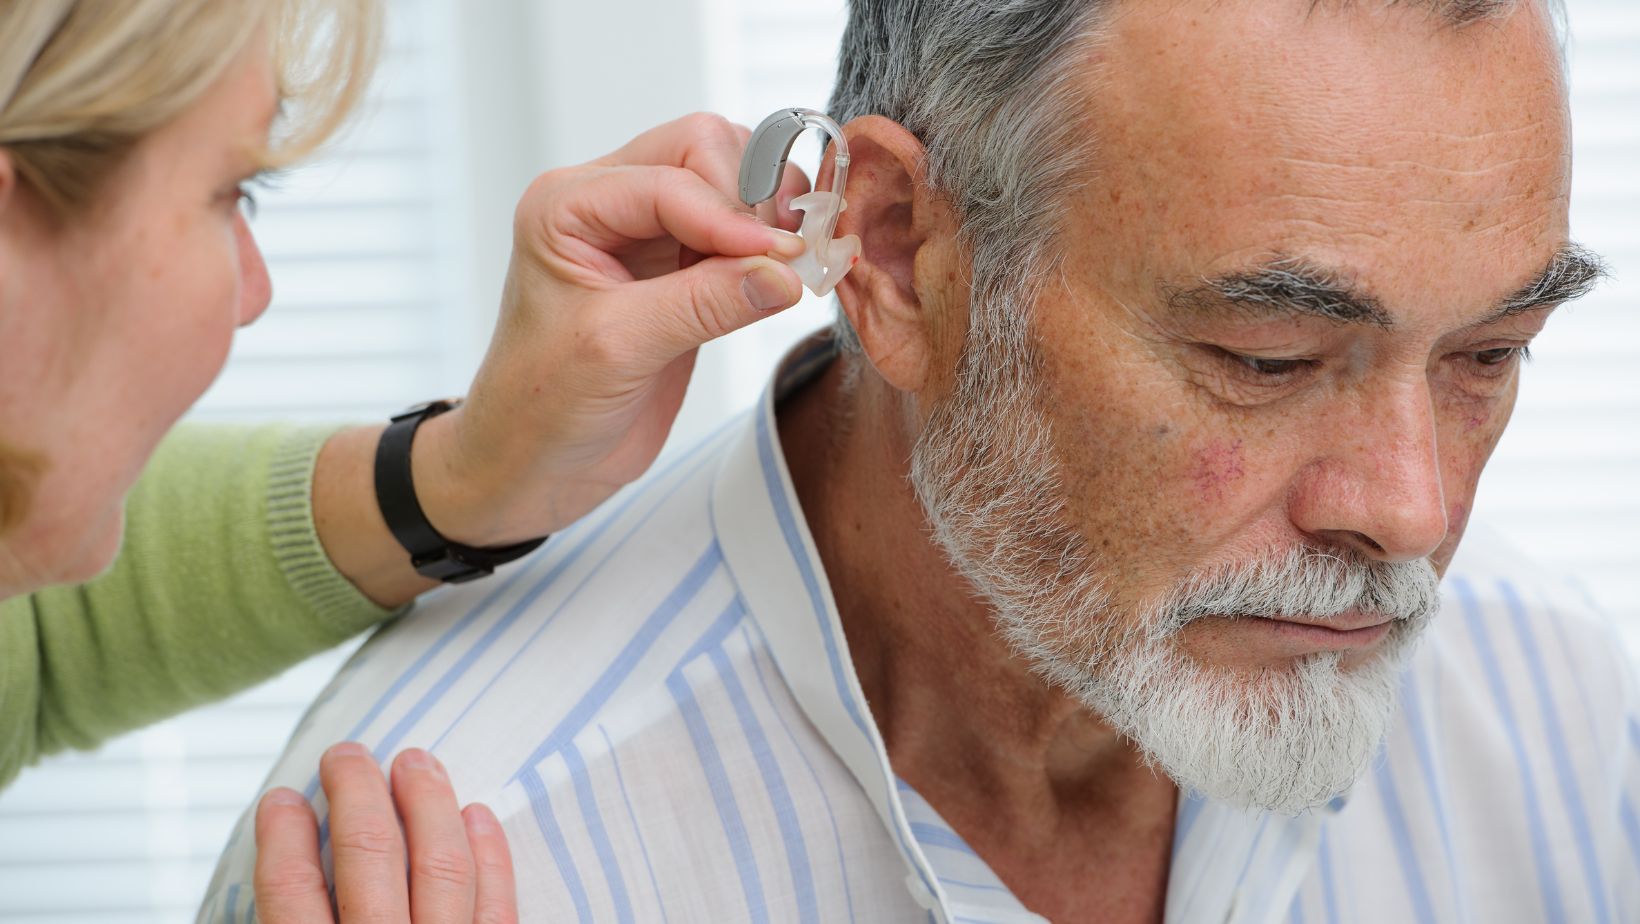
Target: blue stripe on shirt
(594, 529)
(802, 753)
(1329, 885)
(627, 660)
(1558, 753)
(540, 588)
(930, 835)
(1548, 884)
(594, 820)
(637, 833)
(774, 784)
(1396, 818)
(547, 822)
(1423, 748)
(723, 795)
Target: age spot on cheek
(1217, 469)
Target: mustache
(1303, 582)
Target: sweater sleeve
(221, 583)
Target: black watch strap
(431, 554)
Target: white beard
(1283, 740)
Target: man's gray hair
(994, 92)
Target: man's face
(1258, 163)
(1213, 507)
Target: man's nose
(1376, 486)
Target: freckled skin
(1353, 136)
(1218, 468)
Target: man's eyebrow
(1284, 286)
(1572, 273)
(1296, 286)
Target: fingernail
(284, 797)
(417, 759)
(349, 749)
(786, 244)
(766, 289)
(481, 819)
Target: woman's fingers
(365, 846)
(705, 143)
(442, 875)
(618, 206)
(667, 317)
(496, 901)
(289, 880)
(793, 183)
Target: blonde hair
(82, 81)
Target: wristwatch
(431, 554)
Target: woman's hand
(599, 327)
(460, 871)
(621, 269)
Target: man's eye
(1502, 356)
(1267, 368)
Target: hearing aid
(824, 261)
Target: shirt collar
(784, 586)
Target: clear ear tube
(824, 261)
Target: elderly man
(1081, 575)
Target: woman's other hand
(459, 868)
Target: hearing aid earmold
(824, 261)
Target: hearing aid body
(824, 261)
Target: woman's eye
(246, 201)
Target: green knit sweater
(221, 583)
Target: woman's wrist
(462, 496)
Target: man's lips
(1343, 622)
(1325, 638)
(1292, 636)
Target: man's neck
(1039, 786)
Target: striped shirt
(661, 707)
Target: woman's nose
(255, 288)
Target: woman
(128, 131)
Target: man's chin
(1278, 740)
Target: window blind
(1565, 482)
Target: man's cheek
(1465, 450)
(1217, 470)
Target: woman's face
(113, 323)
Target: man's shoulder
(546, 627)
(504, 676)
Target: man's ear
(894, 296)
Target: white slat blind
(1565, 483)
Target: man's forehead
(1363, 136)
(1355, 90)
